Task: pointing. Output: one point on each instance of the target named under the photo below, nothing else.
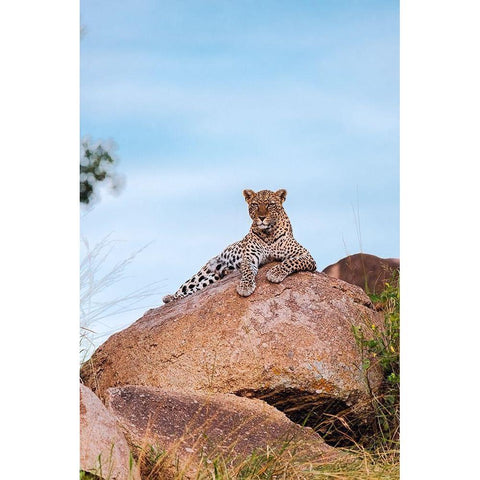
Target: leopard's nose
(261, 218)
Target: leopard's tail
(215, 269)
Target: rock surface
(366, 271)
(103, 448)
(193, 430)
(290, 344)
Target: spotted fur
(270, 239)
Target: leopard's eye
(271, 204)
(254, 205)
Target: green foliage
(382, 343)
(88, 476)
(151, 459)
(96, 166)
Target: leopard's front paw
(245, 289)
(275, 274)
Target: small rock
(103, 448)
(366, 271)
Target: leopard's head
(265, 207)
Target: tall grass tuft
(95, 279)
(280, 463)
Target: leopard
(269, 239)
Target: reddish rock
(191, 430)
(366, 271)
(103, 448)
(289, 343)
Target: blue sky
(206, 98)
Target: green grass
(275, 464)
(88, 476)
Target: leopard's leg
(296, 259)
(252, 257)
(215, 269)
(230, 259)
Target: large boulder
(366, 271)
(188, 433)
(290, 344)
(104, 451)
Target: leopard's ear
(248, 194)
(282, 194)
